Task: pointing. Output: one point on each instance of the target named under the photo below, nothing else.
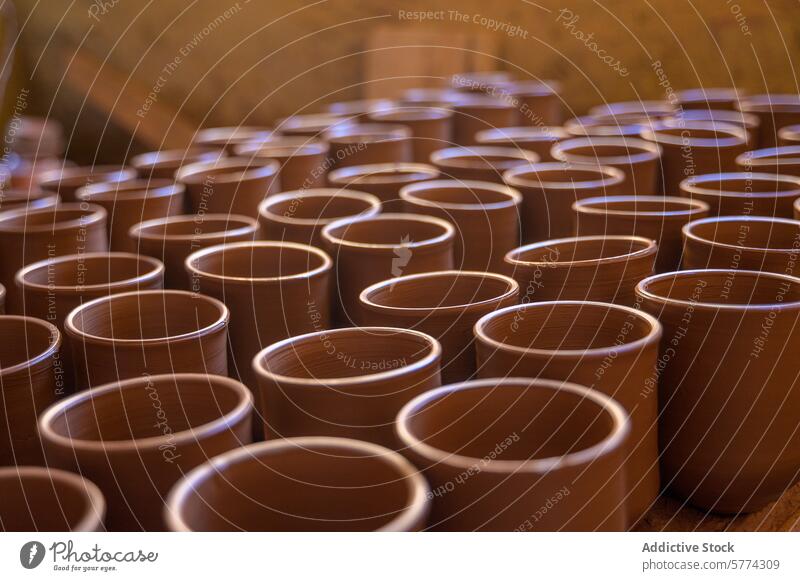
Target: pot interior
(90, 271)
(594, 152)
(256, 261)
(639, 208)
(322, 207)
(580, 249)
(763, 234)
(41, 503)
(486, 161)
(24, 340)
(735, 288)
(439, 291)
(746, 185)
(466, 195)
(195, 226)
(388, 232)
(380, 174)
(577, 176)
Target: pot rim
(192, 173)
(386, 131)
(415, 510)
(689, 233)
(357, 106)
(709, 95)
(590, 126)
(730, 135)
(443, 156)
(264, 208)
(280, 151)
(790, 132)
(447, 235)
(186, 436)
(192, 268)
(367, 302)
(407, 194)
(764, 102)
(770, 156)
(649, 248)
(91, 214)
(645, 107)
(49, 351)
(312, 121)
(735, 117)
(520, 133)
(376, 173)
(612, 176)
(155, 159)
(693, 206)
(147, 189)
(690, 185)
(648, 150)
(246, 225)
(230, 134)
(423, 113)
(615, 439)
(114, 173)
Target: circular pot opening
(456, 194)
(722, 288)
(83, 271)
(382, 173)
(747, 233)
(582, 249)
(189, 227)
(34, 340)
(250, 261)
(317, 208)
(389, 231)
(658, 207)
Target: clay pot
(163, 164)
(742, 243)
(774, 160)
(431, 127)
(486, 217)
(31, 199)
(693, 148)
(303, 163)
(372, 143)
(586, 268)
(31, 378)
(789, 135)
(24, 173)
(135, 439)
(623, 110)
(539, 140)
(300, 216)
(727, 381)
(638, 159)
(301, 484)
(383, 180)
(549, 190)
(359, 109)
(66, 181)
(28, 236)
(485, 163)
(589, 126)
(747, 121)
(147, 332)
(313, 125)
(658, 218)
(498, 452)
(369, 249)
(744, 193)
(131, 202)
(49, 500)
(33, 137)
(228, 138)
(775, 111)
(445, 305)
(478, 113)
(709, 99)
(537, 102)
(172, 239)
(608, 348)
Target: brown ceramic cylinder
(608, 348)
(443, 304)
(147, 332)
(589, 126)
(369, 249)
(364, 144)
(359, 108)
(30, 198)
(228, 138)
(789, 135)
(744, 193)
(301, 484)
(300, 216)
(49, 500)
(486, 217)
(478, 113)
(773, 160)
(728, 385)
(172, 239)
(31, 378)
(65, 181)
(549, 190)
(485, 163)
(714, 98)
(303, 163)
(33, 136)
(654, 109)
(658, 218)
(312, 125)
(587, 268)
(163, 164)
(24, 173)
(135, 439)
(496, 451)
(384, 180)
(747, 121)
(431, 127)
(539, 140)
(775, 111)
(229, 185)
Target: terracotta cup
(638, 159)
(775, 110)
(384, 180)
(172, 239)
(33, 136)
(539, 140)
(369, 143)
(658, 218)
(312, 125)
(136, 438)
(303, 163)
(728, 385)
(585, 268)
(301, 484)
(549, 190)
(714, 98)
(300, 216)
(347, 382)
(359, 108)
(746, 243)
(608, 348)
(163, 164)
(228, 138)
(28, 236)
(66, 181)
(537, 102)
(653, 109)
(369, 249)
(31, 378)
(789, 135)
(744, 193)
(747, 121)
(590, 126)
(147, 332)
(692, 148)
(229, 185)
(26, 198)
(128, 203)
(49, 500)
(431, 127)
(485, 163)
(498, 452)
(486, 217)
(478, 113)
(24, 173)
(774, 160)
(444, 304)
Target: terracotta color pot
(31, 378)
(147, 332)
(25, 173)
(301, 484)
(485, 163)
(28, 236)
(303, 163)
(589, 126)
(359, 108)
(131, 202)
(728, 385)
(747, 121)
(658, 218)
(638, 159)
(774, 160)
(32, 199)
(539, 140)
(431, 127)
(371, 143)
(135, 439)
(498, 452)
(744, 193)
(775, 111)
(789, 135)
(65, 181)
(479, 81)
(709, 99)
(478, 113)
(163, 164)
(313, 125)
(383, 180)
(300, 216)
(608, 348)
(621, 110)
(549, 190)
(445, 305)
(537, 102)
(586, 268)
(35, 136)
(228, 138)
(693, 148)
(172, 239)
(346, 382)
(486, 217)
(368, 249)
(49, 500)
